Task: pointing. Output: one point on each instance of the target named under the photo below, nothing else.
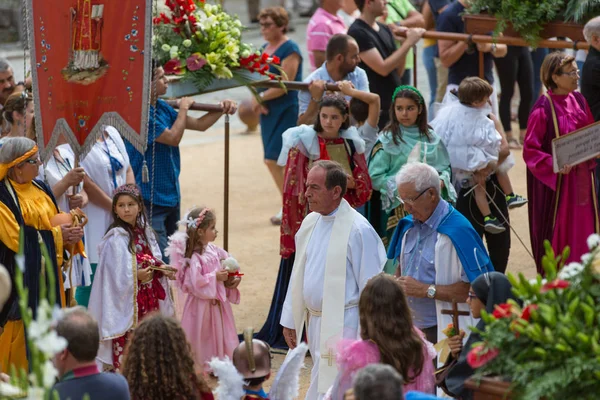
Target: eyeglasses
(33, 162)
(412, 201)
(472, 295)
(266, 24)
(572, 74)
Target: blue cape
(464, 238)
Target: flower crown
(129, 189)
(195, 223)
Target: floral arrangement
(528, 17)
(202, 42)
(231, 265)
(42, 341)
(550, 346)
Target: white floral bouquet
(202, 42)
(42, 341)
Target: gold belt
(319, 313)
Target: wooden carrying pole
(290, 85)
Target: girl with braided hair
(406, 138)
(159, 363)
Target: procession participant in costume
(487, 291)
(63, 177)
(338, 251)
(107, 167)
(437, 250)
(279, 110)
(203, 275)
(252, 359)
(159, 364)
(557, 197)
(406, 138)
(128, 251)
(27, 206)
(477, 146)
(165, 131)
(331, 138)
(387, 336)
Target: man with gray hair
(7, 81)
(337, 252)
(590, 73)
(378, 381)
(436, 250)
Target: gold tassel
(145, 173)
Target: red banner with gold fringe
(91, 67)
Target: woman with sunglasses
(27, 207)
(563, 206)
(487, 291)
(278, 109)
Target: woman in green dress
(406, 138)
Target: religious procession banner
(91, 64)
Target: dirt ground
(254, 199)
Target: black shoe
(492, 225)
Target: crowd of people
(386, 200)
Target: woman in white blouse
(107, 167)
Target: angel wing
(231, 382)
(286, 384)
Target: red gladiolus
(173, 67)
(526, 315)
(275, 60)
(264, 57)
(192, 19)
(264, 69)
(178, 20)
(272, 76)
(502, 311)
(479, 356)
(555, 284)
(256, 66)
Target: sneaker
(515, 201)
(492, 225)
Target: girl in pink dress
(388, 337)
(207, 317)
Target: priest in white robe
(337, 252)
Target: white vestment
(113, 301)
(318, 271)
(448, 270)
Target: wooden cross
(330, 357)
(455, 314)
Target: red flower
(255, 66)
(272, 76)
(275, 60)
(526, 315)
(192, 19)
(479, 356)
(555, 284)
(195, 62)
(503, 311)
(178, 20)
(264, 69)
(173, 67)
(264, 57)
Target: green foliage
(550, 347)
(581, 11)
(528, 17)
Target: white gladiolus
(9, 390)
(50, 374)
(51, 343)
(593, 241)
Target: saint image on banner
(86, 63)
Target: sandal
(514, 144)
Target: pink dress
(576, 211)
(207, 315)
(353, 355)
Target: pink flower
(555, 284)
(479, 356)
(173, 67)
(195, 62)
